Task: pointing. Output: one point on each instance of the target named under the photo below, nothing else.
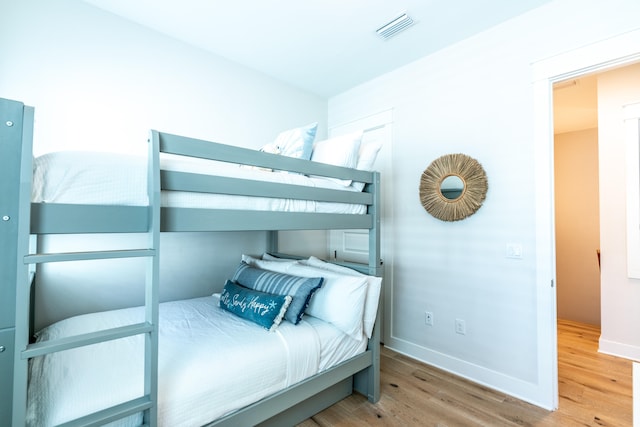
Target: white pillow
(267, 264)
(367, 158)
(373, 290)
(338, 151)
(341, 299)
(297, 142)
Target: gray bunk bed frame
(22, 219)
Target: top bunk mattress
(76, 177)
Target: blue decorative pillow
(267, 310)
(301, 289)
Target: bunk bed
(23, 218)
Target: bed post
(152, 280)
(272, 241)
(375, 263)
(367, 382)
(16, 137)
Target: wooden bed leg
(367, 382)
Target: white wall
(99, 82)
(577, 218)
(475, 97)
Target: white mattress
(116, 179)
(210, 363)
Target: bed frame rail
(185, 146)
(64, 219)
(296, 403)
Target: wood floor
(595, 390)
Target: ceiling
(321, 46)
(575, 104)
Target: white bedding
(117, 179)
(210, 363)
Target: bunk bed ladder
(16, 135)
(149, 327)
(27, 262)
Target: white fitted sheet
(79, 177)
(211, 363)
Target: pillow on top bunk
(341, 299)
(266, 310)
(373, 290)
(367, 156)
(297, 142)
(265, 256)
(338, 151)
(301, 289)
(269, 264)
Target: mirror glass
(451, 187)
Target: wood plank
(595, 390)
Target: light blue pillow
(297, 142)
(301, 289)
(267, 310)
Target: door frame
(605, 55)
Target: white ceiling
(322, 46)
(575, 104)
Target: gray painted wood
(286, 407)
(301, 395)
(181, 181)
(16, 136)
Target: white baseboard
(516, 387)
(619, 349)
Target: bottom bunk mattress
(211, 363)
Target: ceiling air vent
(395, 26)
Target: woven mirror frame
(472, 193)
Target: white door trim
(604, 55)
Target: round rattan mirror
(453, 187)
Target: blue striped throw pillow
(301, 289)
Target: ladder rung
(84, 256)
(46, 347)
(112, 414)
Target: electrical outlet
(428, 318)
(461, 328)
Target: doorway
(606, 55)
(577, 204)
